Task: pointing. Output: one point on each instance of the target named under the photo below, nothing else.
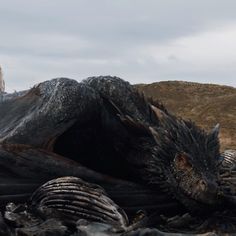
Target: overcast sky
(141, 41)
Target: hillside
(206, 104)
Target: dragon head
(192, 181)
(185, 160)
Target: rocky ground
(69, 206)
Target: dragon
(104, 131)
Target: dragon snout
(208, 191)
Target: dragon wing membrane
(37, 116)
(123, 95)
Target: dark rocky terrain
(206, 104)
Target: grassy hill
(206, 104)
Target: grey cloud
(80, 38)
(114, 20)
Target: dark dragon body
(103, 131)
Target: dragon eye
(182, 161)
